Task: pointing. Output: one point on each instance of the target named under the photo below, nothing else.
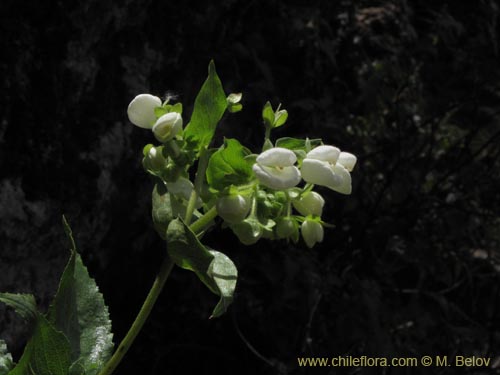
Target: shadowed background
(412, 88)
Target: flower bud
(155, 158)
(312, 232)
(167, 126)
(310, 203)
(249, 231)
(285, 227)
(233, 208)
(141, 110)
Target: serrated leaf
(213, 268)
(79, 312)
(209, 106)
(47, 352)
(6, 362)
(23, 304)
(229, 166)
(268, 115)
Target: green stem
(172, 149)
(198, 181)
(139, 321)
(199, 224)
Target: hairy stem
(139, 321)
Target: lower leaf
(47, 352)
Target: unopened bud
(233, 208)
(312, 232)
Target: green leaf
(268, 115)
(225, 275)
(234, 108)
(280, 118)
(177, 107)
(188, 252)
(214, 269)
(47, 352)
(229, 166)
(296, 144)
(23, 304)
(165, 208)
(209, 106)
(160, 111)
(79, 312)
(6, 363)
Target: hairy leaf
(23, 304)
(79, 311)
(6, 363)
(214, 269)
(225, 275)
(209, 106)
(47, 352)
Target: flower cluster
(257, 196)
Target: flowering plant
(255, 195)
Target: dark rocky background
(411, 87)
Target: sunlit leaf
(209, 106)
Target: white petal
(182, 187)
(141, 110)
(325, 153)
(277, 178)
(318, 172)
(343, 185)
(310, 204)
(312, 232)
(347, 160)
(277, 157)
(167, 126)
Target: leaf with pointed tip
(268, 115)
(209, 106)
(213, 268)
(47, 352)
(79, 312)
(23, 304)
(6, 363)
(225, 275)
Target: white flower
(155, 158)
(312, 232)
(275, 168)
(327, 166)
(167, 126)
(233, 208)
(141, 110)
(309, 204)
